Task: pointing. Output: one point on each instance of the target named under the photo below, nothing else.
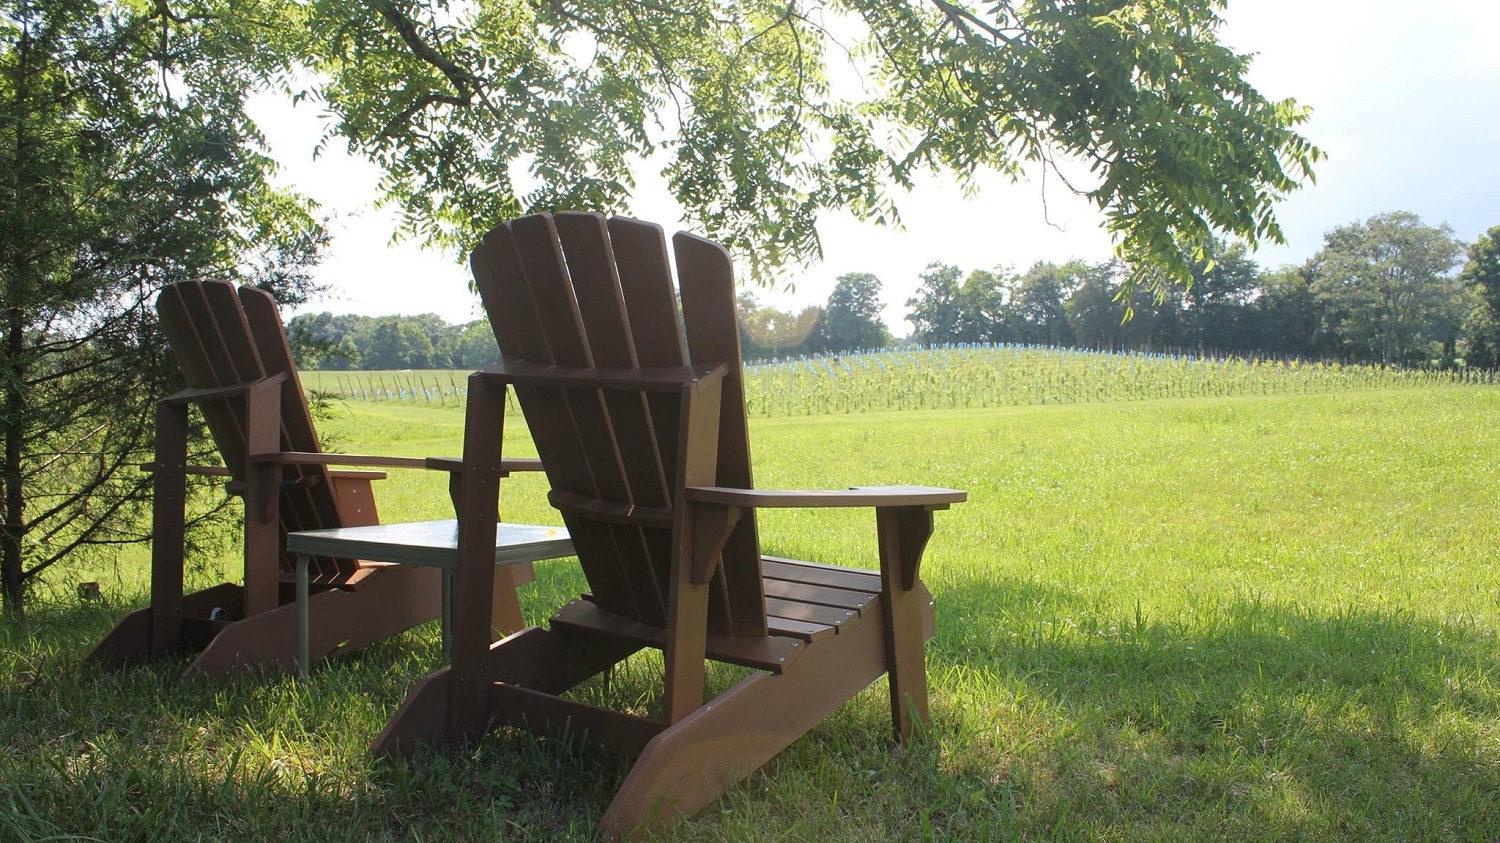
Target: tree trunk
(13, 427)
(12, 367)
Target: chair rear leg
(535, 658)
(130, 641)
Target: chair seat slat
(809, 612)
(808, 632)
(847, 578)
(839, 598)
(772, 653)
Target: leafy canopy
(490, 108)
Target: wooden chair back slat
(644, 271)
(240, 361)
(198, 345)
(222, 336)
(640, 251)
(546, 272)
(298, 433)
(518, 332)
(712, 332)
(602, 307)
(574, 291)
(641, 256)
(309, 501)
(601, 304)
(571, 461)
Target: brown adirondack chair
(640, 422)
(234, 356)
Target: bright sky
(1406, 100)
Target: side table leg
(301, 654)
(447, 614)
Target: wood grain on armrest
(308, 458)
(879, 496)
(449, 464)
(456, 464)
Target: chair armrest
(196, 470)
(221, 471)
(877, 496)
(903, 518)
(455, 465)
(449, 464)
(452, 465)
(308, 458)
(199, 470)
(356, 474)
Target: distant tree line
(326, 341)
(1387, 290)
(1390, 290)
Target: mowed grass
(1267, 618)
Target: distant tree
(442, 339)
(745, 308)
(1482, 275)
(349, 328)
(768, 332)
(1482, 270)
(1036, 311)
(1482, 329)
(396, 343)
(1286, 316)
(343, 356)
(1094, 312)
(1155, 321)
(934, 311)
(476, 347)
(851, 320)
(1387, 286)
(317, 342)
(1215, 303)
(981, 307)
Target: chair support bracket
(712, 526)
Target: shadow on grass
(1248, 720)
(140, 754)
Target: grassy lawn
(1253, 618)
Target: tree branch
(467, 87)
(966, 21)
(405, 27)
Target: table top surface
(430, 543)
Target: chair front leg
(903, 533)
